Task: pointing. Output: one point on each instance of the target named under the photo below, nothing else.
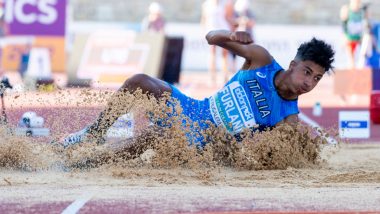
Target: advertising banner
(281, 41)
(354, 124)
(36, 17)
(56, 47)
(44, 21)
(111, 57)
(357, 82)
(12, 52)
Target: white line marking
(314, 124)
(76, 205)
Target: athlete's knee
(136, 81)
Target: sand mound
(167, 145)
(23, 153)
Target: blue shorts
(196, 111)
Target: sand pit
(278, 170)
(349, 180)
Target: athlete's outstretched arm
(294, 120)
(240, 43)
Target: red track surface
(95, 207)
(56, 207)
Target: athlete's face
(305, 75)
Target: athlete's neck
(281, 82)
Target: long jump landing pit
(349, 182)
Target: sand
(282, 169)
(349, 179)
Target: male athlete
(353, 17)
(261, 93)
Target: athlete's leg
(351, 49)
(118, 105)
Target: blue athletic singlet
(248, 100)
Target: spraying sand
(281, 159)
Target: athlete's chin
(301, 91)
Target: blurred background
(99, 44)
(279, 25)
(300, 12)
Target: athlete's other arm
(344, 17)
(293, 120)
(240, 43)
(344, 13)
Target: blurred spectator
(368, 39)
(244, 20)
(214, 17)
(230, 14)
(25, 55)
(155, 20)
(353, 18)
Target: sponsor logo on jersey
(230, 108)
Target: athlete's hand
(241, 37)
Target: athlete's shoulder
(261, 51)
(260, 56)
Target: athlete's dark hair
(317, 51)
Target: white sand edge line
(77, 205)
(314, 124)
